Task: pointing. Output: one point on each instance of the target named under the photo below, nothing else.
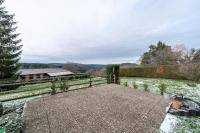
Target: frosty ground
(187, 88)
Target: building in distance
(34, 74)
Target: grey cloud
(102, 31)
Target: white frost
(169, 123)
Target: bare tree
(190, 70)
(165, 57)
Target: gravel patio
(104, 108)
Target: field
(187, 88)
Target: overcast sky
(102, 31)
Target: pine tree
(10, 47)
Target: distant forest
(40, 65)
(74, 67)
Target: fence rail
(90, 83)
(5, 83)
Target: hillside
(74, 67)
(40, 65)
(128, 65)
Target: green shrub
(125, 83)
(135, 86)
(111, 71)
(145, 87)
(162, 88)
(63, 86)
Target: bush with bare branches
(190, 70)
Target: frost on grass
(173, 86)
(182, 124)
(11, 121)
(187, 125)
(22, 94)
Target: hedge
(112, 69)
(169, 72)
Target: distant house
(32, 74)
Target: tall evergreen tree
(10, 47)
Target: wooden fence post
(90, 82)
(53, 87)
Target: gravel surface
(103, 108)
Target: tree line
(188, 61)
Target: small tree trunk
(90, 82)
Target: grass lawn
(29, 90)
(184, 124)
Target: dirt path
(104, 108)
